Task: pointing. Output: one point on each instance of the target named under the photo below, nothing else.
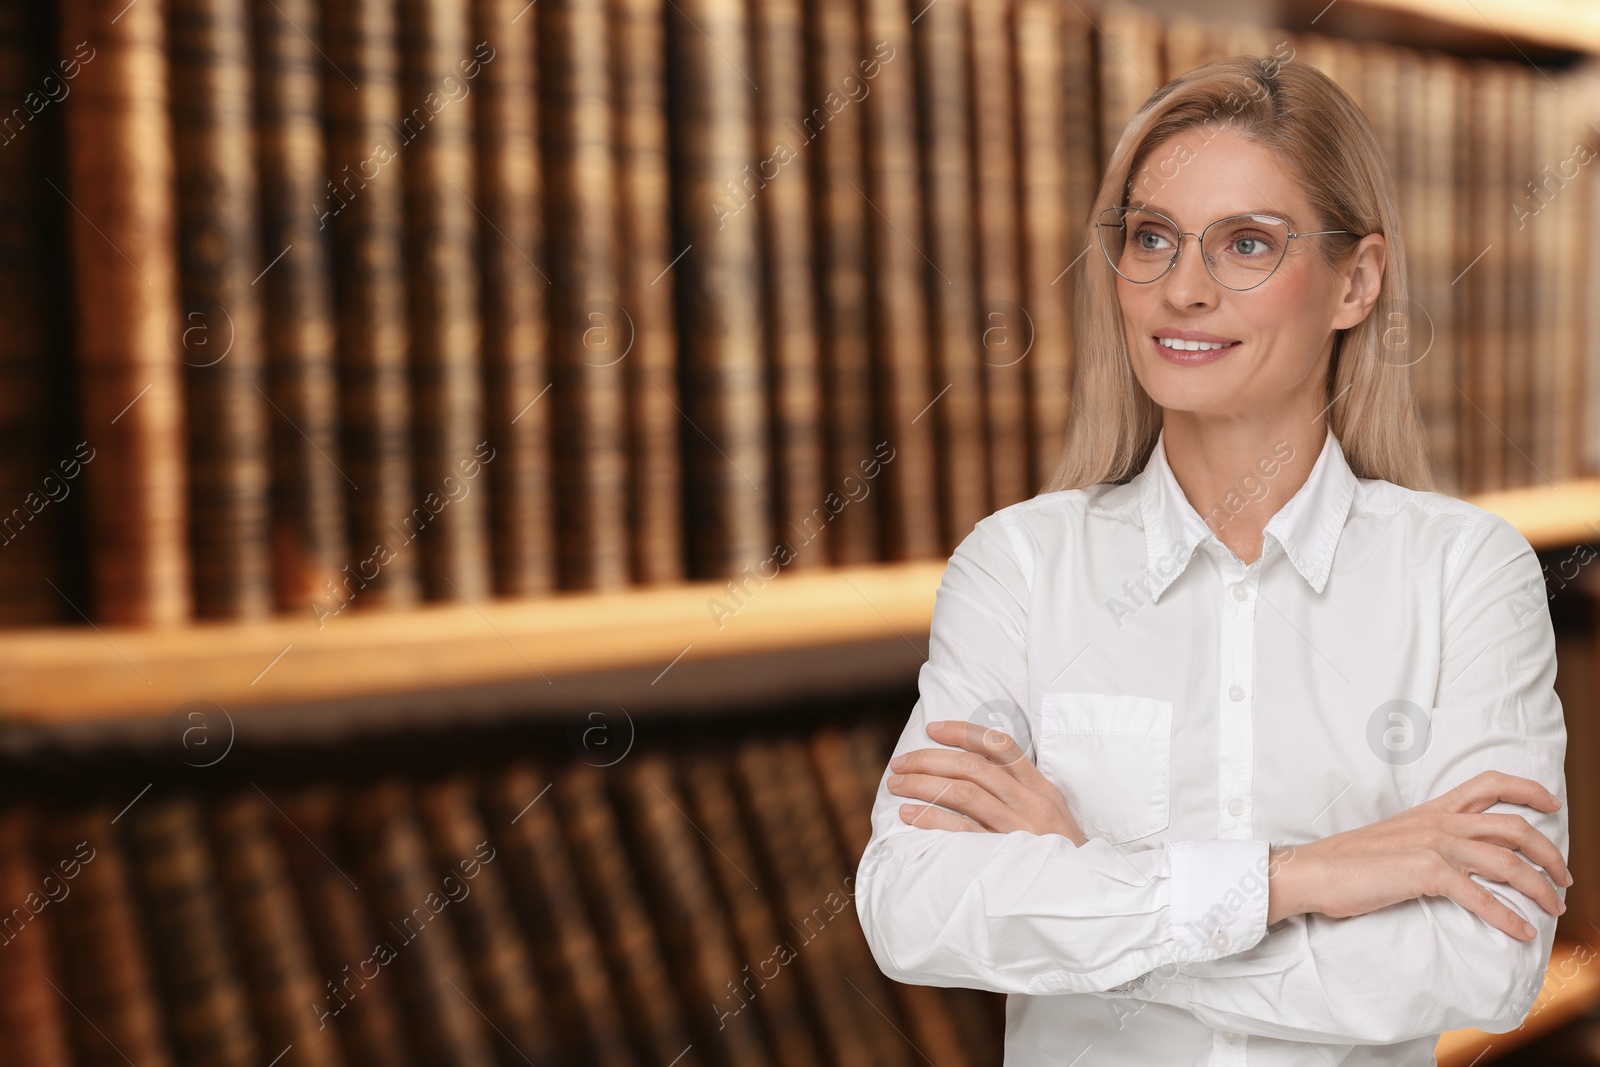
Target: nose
(1188, 282)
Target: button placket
(1236, 732)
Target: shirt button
(1219, 941)
(1231, 1038)
(1235, 693)
(1236, 806)
(1240, 591)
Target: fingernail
(896, 779)
(898, 762)
(1563, 906)
(1528, 930)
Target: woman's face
(1281, 331)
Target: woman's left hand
(992, 785)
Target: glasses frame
(1100, 225)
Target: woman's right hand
(1429, 851)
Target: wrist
(1283, 885)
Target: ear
(1363, 278)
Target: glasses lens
(1139, 244)
(1243, 251)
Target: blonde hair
(1324, 139)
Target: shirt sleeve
(1428, 965)
(1021, 912)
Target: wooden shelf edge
(74, 674)
(1571, 988)
(1567, 24)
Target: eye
(1150, 238)
(1250, 244)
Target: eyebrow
(1248, 211)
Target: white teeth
(1188, 346)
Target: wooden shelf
(1566, 24)
(1571, 988)
(833, 630)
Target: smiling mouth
(1177, 345)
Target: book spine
(33, 1025)
(309, 550)
(219, 328)
(724, 372)
(899, 282)
(590, 328)
(644, 210)
(944, 93)
(363, 206)
(435, 133)
(120, 187)
(518, 406)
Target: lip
(1192, 359)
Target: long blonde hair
(1322, 136)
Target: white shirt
(1387, 645)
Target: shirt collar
(1307, 526)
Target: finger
(931, 818)
(1515, 832)
(957, 794)
(1490, 908)
(1488, 788)
(990, 742)
(1500, 864)
(963, 764)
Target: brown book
(899, 280)
(1481, 263)
(106, 973)
(449, 518)
(504, 985)
(363, 206)
(801, 900)
(765, 988)
(1431, 222)
(120, 186)
(33, 1015)
(1523, 278)
(518, 407)
(793, 328)
(954, 354)
(1081, 140)
(1571, 253)
(1006, 337)
(644, 213)
(550, 902)
(355, 998)
(407, 895)
(1049, 229)
(275, 952)
(197, 961)
(646, 992)
(1578, 688)
(725, 388)
(589, 327)
(834, 138)
(1130, 68)
(38, 469)
(695, 932)
(309, 551)
(219, 331)
(1190, 42)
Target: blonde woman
(1237, 743)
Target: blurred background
(475, 476)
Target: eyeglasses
(1240, 251)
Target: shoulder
(1459, 532)
(1039, 525)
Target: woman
(1237, 733)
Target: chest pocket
(1111, 757)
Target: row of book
(688, 905)
(451, 299)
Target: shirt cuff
(1218, 898)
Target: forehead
(1202, 174)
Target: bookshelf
(645, 648)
